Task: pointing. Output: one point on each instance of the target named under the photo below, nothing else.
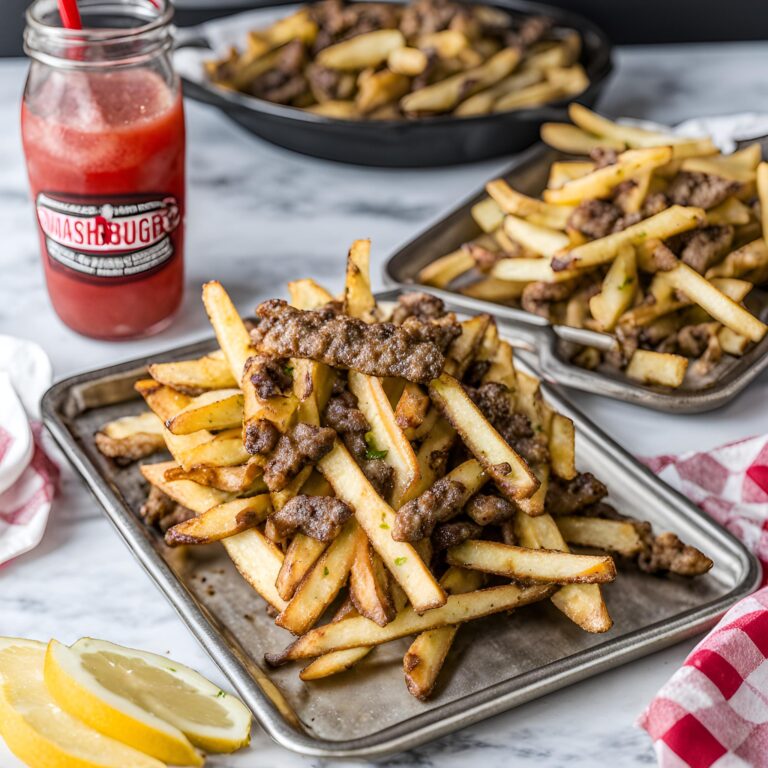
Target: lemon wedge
(38, 732)
(145, 700)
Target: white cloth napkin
(28, 478)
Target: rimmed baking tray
(418, 143)
(547, 345)
(497, 663)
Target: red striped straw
(70, 14)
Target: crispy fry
(536, 211)
(367, 50)
(381, 88)
(618, 290)
(208, 372)
(376, 518)
(407, 61)
(412, 406)
(617, 536)
(487, 214)
(534, 237)
(225, 449)
(220, 522)
(359, 631)
(216, 409)
(198, 498)
(574, 141)
(233, 337)
(245, 478)
(562, 446)
(259, 562)
(307, 294)
(131, 437)
(369, 584)
(657, 368)
(301, 555)
(463, 349)
(508, 470)
(532, 566)
(531, 270)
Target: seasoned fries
(385, 507)
(655, 239)
(365, 62)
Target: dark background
(625, 21)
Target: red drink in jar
(103, 132)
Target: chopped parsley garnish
(288, 370)
(171, 669)
(628, 280)
(400, 560)
(221, 695)
(325, 571)
(371, 451)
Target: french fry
(637, 137)
(732, 343)
(298, 25)
(536, 211)
(562, 172)
(581, 603)
(444, 95)
(447, 43)
(376, 518)
(534, 237)
(358, 299)
(562, 447)
(730, 211)
(381, 88)
(618, 290)
(462, 351)
(762, 192)
(535, 504)
(532, 566)
(713, 301)
(531, 270)
(617, 536)
(407, 61)
(245, 478)
(574, 141)
(220, 522)
(307, 294)
(366, 50)
(528, 97)
(259, 562)
(662, 368)
(482, 103)
(600, 183)
(208, 372)
(359, 631)
(301, 555)
(369, 584)
(511, 474)
(198, 498)
(321, 585)
(339, 109)
(753, 255)
(425, 657)
(232, 335)
(443, 271)
(493, 289)
(487, 215)
(432, 454)
(412, 406)
(131, 437)
(671, 221)
(723, 166)
(502, 368)
(216, 409)
(225, 449)
(280, 410)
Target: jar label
(120, 238)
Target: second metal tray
(528, 173)
(497, 663)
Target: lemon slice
(140, 697)
(38, 732)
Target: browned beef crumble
(603, 156)
(161, 511)
(628, 341)
(337, 21)
(476, 371)
(422, 306)
(269, 376)
(654, 203)
(303, 444)
(701, 248)
(663, 259)
(261, 436)
(409, 350)
(568, 497)
(700, 189)
(320, 517)
(440, 502)
(692, 340)
(452, 534)
(494, 400)
(285, 81)
(440, 332)
(531, 30)
(489, 510)
(599, 218)
(342, 414)
(538, 297)
(424, 17)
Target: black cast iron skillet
(421, 142)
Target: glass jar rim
(162, 14)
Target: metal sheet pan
(528, 173)
(497, 663)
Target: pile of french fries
(468, 67)
(377, 589)
(612, 284)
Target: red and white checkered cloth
(713, 712)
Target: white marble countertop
(258, 216)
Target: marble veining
(259, 215)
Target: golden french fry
(534, 237)
(662, 368)
(531, 270)
(713, 301)
(618, 290)
(338, 109)
(220, 522)
(259, 562)
(447, 43)
(301, 555)
(216, 409)
(488, 215)
(536, 211)
(369, 584)
(366, 50)
(671, 221)
(407, 61)
(617, 536)
(762, 192)
(198, 498)
(562, 172)
(581, 603)
(279, 409)
(233, 337)
(412, 406)
(307, 294)
(535, 566)
(245, 478)
(732, 343)
(530, 96)
(730, 211)
(463, 349)
(574, 141)
(376, 518)
(506, 468)
(482, 103)
(444, 95)
(493, 289)
(209, 372)
(443, 271)
(722, 165)
(358, 298)
(131, 437)
(562, 446)
(224, 449)
(381, 88)
(740, 262)
(431, 455)
(601, 182)
(359, 631)
(321, 585)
